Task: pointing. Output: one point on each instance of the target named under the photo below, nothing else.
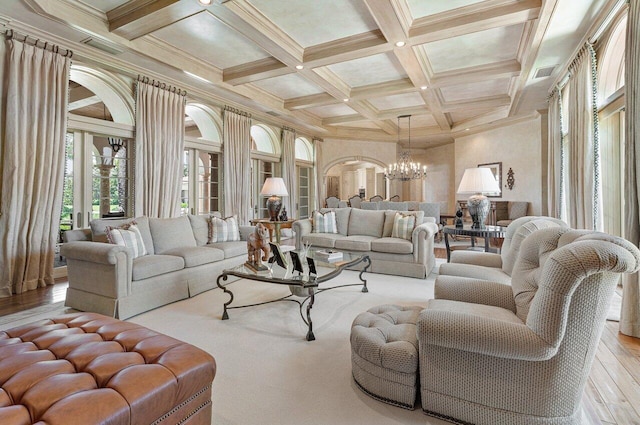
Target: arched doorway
(355, 176)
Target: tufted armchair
(492, 266)
(521, 354)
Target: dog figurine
(257, 244)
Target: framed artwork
(297, 265)
(278, 255)
(496, 169)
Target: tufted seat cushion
(384, 353)
(88, 369)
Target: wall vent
(544, 72)
(102, 45)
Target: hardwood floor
(613, 388)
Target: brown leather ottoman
(88, 369)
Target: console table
(485, 232)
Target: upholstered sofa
(367, 231)
(106, 278)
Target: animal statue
(258, 243)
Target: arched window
(611, 63)
(304, 171)
(263, 139)
(265, 159)
(304, 150)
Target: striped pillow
(324, 222)
(128, 236)
(224, 229)
(403, 225)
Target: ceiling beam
(487, 102)
(255, 71)
(137, 18)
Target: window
(265, 158)
(201, 189)
(304, 168)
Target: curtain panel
(289, 171)
(236, 149)
(555, 155)
(159, 148)
(319, 177)
(630, 313)
(37, 84)
(583, 199)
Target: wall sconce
(510, 179)
(116, 143)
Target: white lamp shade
(274, 186)
(478, 180)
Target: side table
(485, 232)
(274, 226)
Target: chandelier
(405, 169)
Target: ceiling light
(423, 87)
(197, 77)
(405, 169)
(345, 99)
(205, 2)
(299, 67)
(466, 129)
(400, 43)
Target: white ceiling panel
(420, 8)
(311, 22)
(369, 70)
(359, 124)
(474, 90)
(288, 86)
(397, 101)
(337, 110)
(423, 120)
(104, 5)
(208, 39)
(478, 48)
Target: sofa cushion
(169, 233)
(230, 249)
(194, 256)
(324, 222)
(342, 218)
(355, 243)
(390, 215)
(99, 226)
(224, 229)
(403, 225)
(324, 240)
(200, 227)
(392, 245)
(366, 223)
(155, 265)
(128, 236)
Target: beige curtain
(37, 83)
(158, 150)
(630, 313)
(583, 200)
(555, 155)
(236, 145)
(319, 177)
(289, 171)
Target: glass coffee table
(304, 286)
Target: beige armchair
(515, 209)
(492, 266)
(521, 354)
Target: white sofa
(104, 278)
(366, 231)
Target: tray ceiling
(464, 63)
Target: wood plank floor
(613, 388)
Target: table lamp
(274, 188)
(477, 182)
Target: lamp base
(478, 206)
(274, 204)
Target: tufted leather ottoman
(384, 354)
(87, 369)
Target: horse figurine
(258, 243)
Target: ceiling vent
(102, 45)
(544, 72)
(275, 114)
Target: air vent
(102, 45)
(544, 72)
(275, 114)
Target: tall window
(265, 158)
(304, 168)
(201, 189)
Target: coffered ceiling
(332, 68)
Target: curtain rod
(45, 45)
(161, 85)
(293, 130)
(237, 111)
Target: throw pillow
(224, 229)
(128, 236)
(324, 222)
(403, 225)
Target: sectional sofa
(370, 232)
(106, 278)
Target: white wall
(517, 146)
(439, 185)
